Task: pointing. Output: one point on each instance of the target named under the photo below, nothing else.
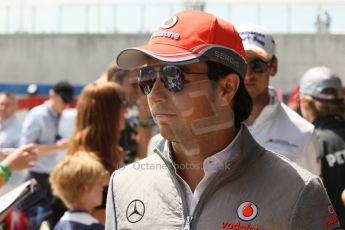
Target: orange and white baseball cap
(257, 39)
(189, 37)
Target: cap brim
(257, 50)
(138, 56)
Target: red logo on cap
(247, 211)
(170, 22)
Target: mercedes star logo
(135, 211)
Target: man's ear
(228, 87)
(274, 66)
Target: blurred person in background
(10, 125)
(322, 103)
(273, 124)
(67, 123)
(78, 180)
(40, 127)
(139, 124)
(100, 119)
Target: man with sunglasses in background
(273, 124)
(208, 172)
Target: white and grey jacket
(256, 190)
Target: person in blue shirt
(78, 180)
(41, 128)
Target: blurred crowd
(72, 153)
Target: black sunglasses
(258, 65)
(171, 76)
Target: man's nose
(249, 72)
(158, 90)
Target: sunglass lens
(258, 65)
(147, 78)
(172, 78)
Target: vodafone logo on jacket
(247, 211)
(330, 209)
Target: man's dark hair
(242, 101)
(65, 90)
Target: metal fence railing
(142, 17)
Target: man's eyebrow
(189, 68)
(156, 65)
(185, 67)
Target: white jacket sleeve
(310, 157)
(110, 218)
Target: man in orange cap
(274, 125)
(208, 172)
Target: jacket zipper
(210, 188)
(186, 215)
(187, 223)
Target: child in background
(78, 181)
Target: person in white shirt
(10, 125)
(273, 124)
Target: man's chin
(169, 132)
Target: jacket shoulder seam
(291, 218)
